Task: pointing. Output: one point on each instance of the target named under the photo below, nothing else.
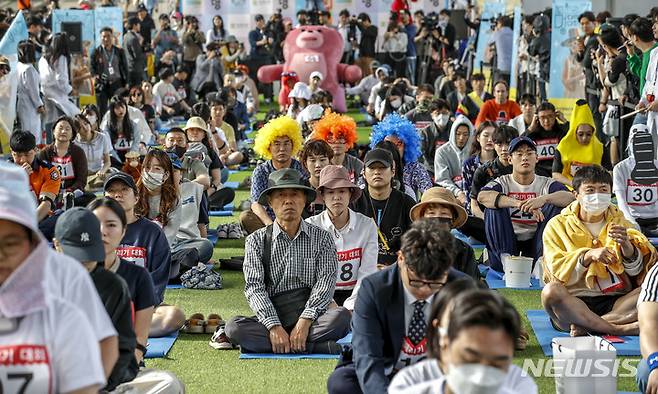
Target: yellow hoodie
(571, 151)
(566, 238)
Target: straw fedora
(197, 122)
(336, 177)
(440, 195)
(286, 178)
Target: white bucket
(517, 270)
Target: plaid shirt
(307, 260)
(260, 176)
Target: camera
(431, 21)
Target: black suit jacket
(378, 326)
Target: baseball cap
(518, 141)
(317, 74)
(120, 177)
(379, 155)
(78, 232)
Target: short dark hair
(546, 106)
(26, 51)
(438, 104)
(459, 74)
(527, 98)
(165, 73)
(216, 101)
(22, 141)
(425, 88)
(591, 174)
(445, 11)
(315, 147)
(628, 19)
(503, 134)
(484, 308)
(107, 29)
(344, 12)
(505, 21)
(428, 248)
(500, 81)
(611, 36)
(364, 17)
(589, 15)
(112, 204)
(477, 77)
(201, 110)
(177, 130)
(603, 16)
(642, 28)
(259, 17)
(440, 304)
(132, 22)
(71, 122)
(34, 20)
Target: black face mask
(178, 150)
(446, 221)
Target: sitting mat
(500, 284)
(544, 331)
(654, 241)
(159, 347)
(474, 243)
(213, 238)
(287, 356)
(175, 287)
(220, 213)
(232, 184)
(347, 340)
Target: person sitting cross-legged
(519, 205)
(594, 261)
(290, 277)
(354, 234)
(393, 308)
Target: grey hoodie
(448, 158)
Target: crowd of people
(340, 237)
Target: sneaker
(234, 231)
(222, 231)
(220, 341)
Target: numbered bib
(134, 254)
(25, 369)
(348, 266)
(611, 284)
(64, 166)
(421, 124)
(641, 195)
(459, 181)
(169, 100)
(546, 148)
(411, 354)
(575, 166)
(516, 214)
(122, 144)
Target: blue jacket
(378, 326)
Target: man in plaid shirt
(290, 276)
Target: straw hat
(440, 195)
(197, 122)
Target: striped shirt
(308, 260)
(649, 291)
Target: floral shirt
(468, 170)
(416, 177)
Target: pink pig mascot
(314, 48)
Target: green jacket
(639, 66)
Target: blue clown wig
(398, 126)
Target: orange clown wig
(336, 126)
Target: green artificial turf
(205, 370)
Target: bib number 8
(346, 272)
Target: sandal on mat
(214, 321)
(195, 324)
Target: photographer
(500, 47)
(367, 44)
(351, 35)
(231, 53)
(428, 42)
(586, 45)
(540, 49)
(132, 42)
(209, 71)
(109, 66)
(274, 29)
(261, 52)
(165, 39)
(193, 41)
(395, 47)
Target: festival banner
(84, 18)
(9, 83)
(515, 51)
(567, 77)
(109, 17)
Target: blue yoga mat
(232, 184)
(544, 331)
(159, 347)
(475, 244)
(347, 340)
(213, 238)
(174, 287)
(654, 241)
(495, 280)
(288, 356)
(220, 213)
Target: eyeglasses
(335, 140)
(418, 284)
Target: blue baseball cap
(518, 141)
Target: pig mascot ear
(643, 150)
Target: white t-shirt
(426, 377)
(357, 248)
(66, 278)
(524, 224)
(167, 93)
(633, 199)
(53, 351)
(94, 150)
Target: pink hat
(336, 177)
(17, 202)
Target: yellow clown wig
(337, 126)
(283, 126)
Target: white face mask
(596, 203)
(396, 103)
(152, 180)
(441, 120)
(474, 379)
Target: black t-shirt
(547, 141)
(115, 296)
(140, 285)
(392, 218)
